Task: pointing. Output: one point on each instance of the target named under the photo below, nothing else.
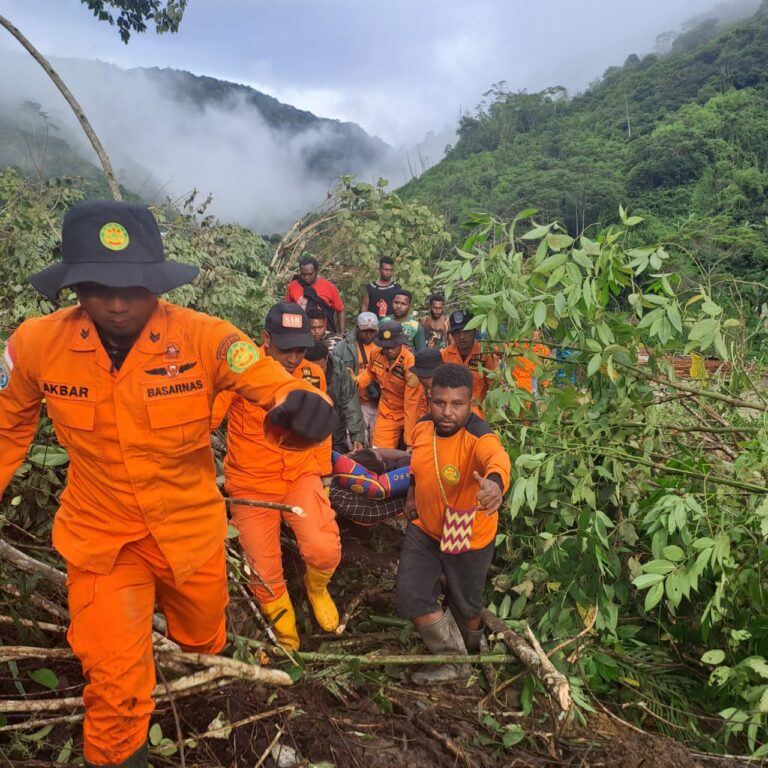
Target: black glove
(373, 391)
(306, 414)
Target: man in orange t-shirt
(459, 474)
(465, 350)
(388, 367)
(254, 468)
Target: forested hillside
(681, 138)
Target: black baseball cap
(288, 326)
(426, 362)
(112, 243)
(390, 335)
(459, 319)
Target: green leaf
(539, 315)
(673, 553)
(513, 735)
(713, 657)
(594, 364)
(155, 734)
(559, 241)
(536, 233)
(647, 580)
(45, 677)
(653, 595)
(658, 566)
(551, 263)
(65, 752)
(48, 456)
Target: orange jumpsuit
(254, 468)
(140, 518)
(416, 406)
(478, 363)
(369, 409)
(525, 368)
(393, 380)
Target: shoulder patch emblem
(412, 380)
(6, 368)
(225, 344)
(451, 474)
(241, 356)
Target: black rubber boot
(139, 759)
(442, 637)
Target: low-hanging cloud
(162, 143)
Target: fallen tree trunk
(532, 656)
(29, 564)
(220, 670)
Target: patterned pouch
(457, 530)
(457, 523)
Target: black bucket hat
(288, 326)
(390, 335)
(426, 362)
(112, 243)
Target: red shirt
(325, 289)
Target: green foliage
(133, 15)
(635, 506)
(231, 258)
(30, 224)
(683, 136)
(359, 224)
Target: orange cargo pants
(387, 432)
(110, 632)
(317, 534)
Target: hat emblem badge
(114, 236)
(387, 334)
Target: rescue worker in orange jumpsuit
(459, 474)
(388, 367)
(426, 361)
(129, 381)
(256, 469)
(465, 350)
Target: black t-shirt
(380, 298)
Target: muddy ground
(342, 714)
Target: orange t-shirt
(253, 463)
(475, 448)
(478, 363)
(393, 379)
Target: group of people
(134, 385)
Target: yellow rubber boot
(323, 607)
(281, 615)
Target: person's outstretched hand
(489, 495)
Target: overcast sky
(399, 68)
